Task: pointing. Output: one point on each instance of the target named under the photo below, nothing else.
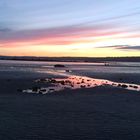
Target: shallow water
(44, 67)
(79, 70)
(77, 82)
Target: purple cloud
(59, 35)
(123, 47)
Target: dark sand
(100, 113)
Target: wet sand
(97, 113)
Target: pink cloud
(56, 36)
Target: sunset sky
(92, 28)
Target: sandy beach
(101, 113)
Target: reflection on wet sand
(76, 82)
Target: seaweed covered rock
(59, 66)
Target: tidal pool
(76, 82)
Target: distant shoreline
(72, 59)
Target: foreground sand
(97, 113)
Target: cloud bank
(123, 47)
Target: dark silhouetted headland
(72, 59)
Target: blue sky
(23, 14)
(23, 22)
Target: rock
(68, 70)
(72, 85)
(59, 65)
(35, 89)
(119, 85)
(42, 80)
(113, 84)
(67, 81)
(82, 86)
(124, 86)
(43, 90)
(52, 80)
(135, 86)
(51, 89)
(40, 92)
(62, 82)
